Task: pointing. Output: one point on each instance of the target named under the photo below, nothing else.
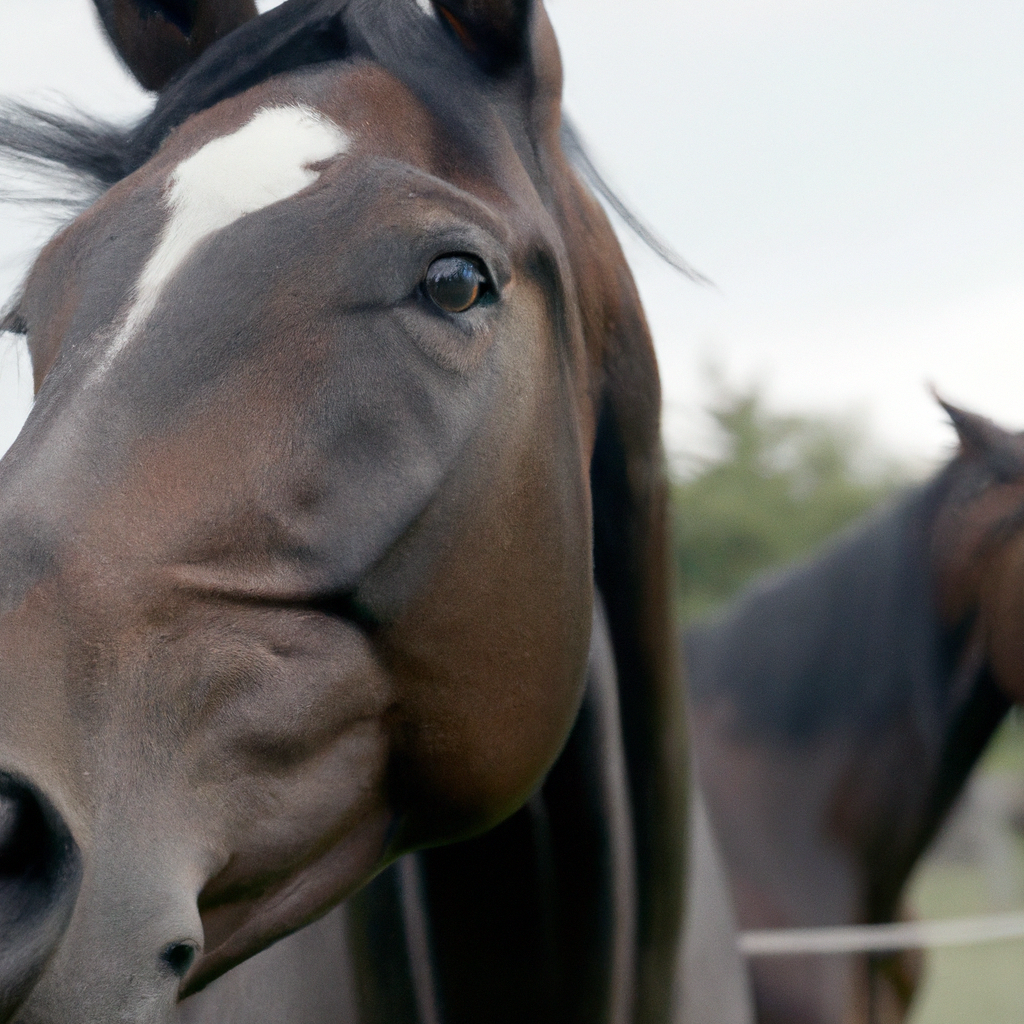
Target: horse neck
(847, 654)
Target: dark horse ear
(159, 38)
(493, 31)
(1002, 450)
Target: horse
(838, 708)
(337, 665)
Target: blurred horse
(337, 532)
(838, 709)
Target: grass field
(970, 985)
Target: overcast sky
(849, 173)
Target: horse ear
(495, 32)
(159, 38)
(979, 436)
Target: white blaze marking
(263, 162)
(426, 7)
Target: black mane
(848, 639)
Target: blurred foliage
(782, 485)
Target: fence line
(881, 938)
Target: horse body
(838, 709)
(346, 408)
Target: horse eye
(456, 283)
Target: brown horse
(344, 464)
(839, 708)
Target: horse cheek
(1005, 610)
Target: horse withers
(838, 709)
(346, 409)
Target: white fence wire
(882, 938)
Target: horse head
(345, 402)
(979, 547)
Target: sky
(848, 173)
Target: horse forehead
(268, 159)
(266, 145)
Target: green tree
(782, 486)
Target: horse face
(979, 549)
(296, 566)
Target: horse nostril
(179, 957)
(28, 845)
(10, 813)
(40, 871)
